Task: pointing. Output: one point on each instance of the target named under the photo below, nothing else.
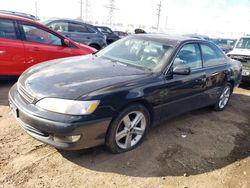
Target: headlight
(70, 107)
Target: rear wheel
(224, 98)
(97, 47)
(128, 129)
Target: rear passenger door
(214, 64)
(81, 33)
(12, 54)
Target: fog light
(67, 139)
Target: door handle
(36, 48)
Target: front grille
(245, 60)
(242, 58)
(25, 94)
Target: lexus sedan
(114, 96)
(24, 42)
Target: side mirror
(66, 42)
(181, 70)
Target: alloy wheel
(224, 98)
(130, 129)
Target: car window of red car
(38, 35)
(7, 29)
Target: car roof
(67, 19)
(172, 40)
(21, 14)
(15, 17)
(101, 26)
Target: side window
(60, 26)
(36, 34)
(211, 55)
(189, 55)
(91, 30)
(7, 29)
(78, 28)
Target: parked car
(24, 42)
(110, 35)
(121, 34)
(78, 31)
(226, 45)
(24, 15)
(114, 96)
(241, 52)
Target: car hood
(70, 78)
(236, 51)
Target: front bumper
(47, 127)
(245, 75)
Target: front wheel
(128, 129)
(224, 98)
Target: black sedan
(114, 96)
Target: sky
(222, 18)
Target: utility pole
(158, 15)
(87, 5)
(36, 8)
(81, 5)
(111, 7)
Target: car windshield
(243, 43)
(142, 53)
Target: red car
(24, 42)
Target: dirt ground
(199, 149)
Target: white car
(241, 52)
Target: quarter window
(7, 29)
(189, 55)
(211, 55)
(35, 34)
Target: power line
(111, 7)
(87, 6)
(81, 5)
(158, 15)
(36, 8)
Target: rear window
(7, 29)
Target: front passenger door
(184, 92)
(42, 45)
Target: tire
(124, 134)
(97, 47)
(224, 98)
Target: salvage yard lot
(200, 149)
